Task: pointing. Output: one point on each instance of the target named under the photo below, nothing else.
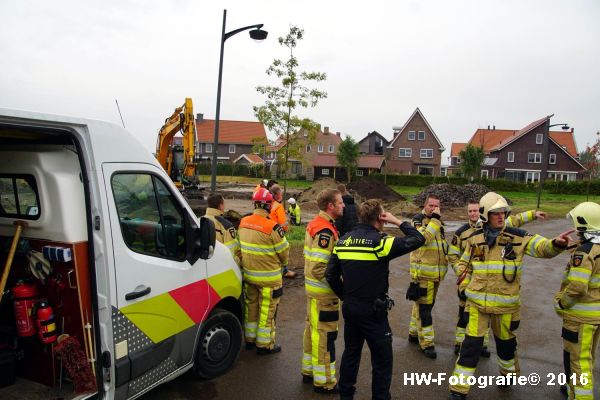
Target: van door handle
(138, 293)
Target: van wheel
(219, 344)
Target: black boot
(430, 352)
(457, 396)
(322, 390)
(485, 352)
(264, 351)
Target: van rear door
(160, 298)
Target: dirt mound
(371, 189)
(453, 195)
(311, 193)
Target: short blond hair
(325, 197)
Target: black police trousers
(360, 324)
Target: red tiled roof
(252, 158)
(565, 139)
(233, 132)
(371, 161)
(456, 149)
(325, 160)
(330, 160)
(489, 139)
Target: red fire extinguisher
(25, 296)
(46, 327)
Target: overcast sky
(465, 64)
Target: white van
(129, 270)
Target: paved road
(278, 376)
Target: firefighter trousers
(461, 326)
(421, 321)
(320, 332)
(260, 310)
(579, 342)
(503, 327)
(360, 324)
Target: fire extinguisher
(25, 296)
(46, 327)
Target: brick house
(235, 139)
(415, 148)
(374, 143)
(326, 166)
(517, 154)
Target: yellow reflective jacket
(264, 249)
(294, 213)
(491, 276)
(429, 262)
(579, 296)
(321, 236)
(226, 233)
(457, 245)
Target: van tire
(219, 344)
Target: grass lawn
(293, 184)
(295, 234)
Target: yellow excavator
(182, 170)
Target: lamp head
(565, 127)
(258, 34)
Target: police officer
(322, 311)
(490, 280)
(456, 248)
(358, 273)
(264, 251)
(578, 303)
(225, 230)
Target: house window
(458, 160)
(324, 171)
(405, 152)
(426, 153)
(359, 172)
(532, 176)
(425, 170)
(552, 159)
(199, 150)
(272, 154)
(308, 148)
(411, 135)
(511, 156)
(320, 148)
(232, 149)
(534, 158)
(421, 135)
(539, 138)
(484, 173)
(331, 148)
(208, 148)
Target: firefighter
(428, 267)
(294, 211)
(322, 311)
(263, 184)
(264, 251)
(225, 230)
(457, 247)
(578, 303)
(277, 214)
(490, 280)
(358, 272)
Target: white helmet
(292, 200)
(586, 217)
(265, 182)
(492, 202)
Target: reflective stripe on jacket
(294, 213)
(226, 233)
(319, 240)
(429, 262)
(264, 249)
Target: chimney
(396, 130)
(326, 130)
(488, 127)
(199, 117)
(338, 134)
(494, 127)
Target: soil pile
(372, 189)
(311, 193)
(454, 195)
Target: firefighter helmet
(262, 196)
(492, 202)
(586, 217)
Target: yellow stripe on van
(226, 284)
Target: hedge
(258, 171)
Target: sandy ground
(278, 376)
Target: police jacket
(349, 219)
(319, 240)
(457, 245)
(225, 232)
(579, 297)
(491, 275)
(264, 249)
(429, 263)
(359, 265)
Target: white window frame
(230, 147)
(320, 148)
(331, 148)
(407, 152)
(537, 158)
(199, 148)
(325, 171)
(419, 135)
(552, 158)
(208, 148)
(539, 138)
(359, 172)
(414, 135)
(458, 160)
(510, 157)
(533, 176)
(426, 151)
(308, 148)
(486, 173)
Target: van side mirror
(200, 240)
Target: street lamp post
(546, 142)
(256, 34)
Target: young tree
(590, 160)
(472, 158)
(348, 154)
(279, 111)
